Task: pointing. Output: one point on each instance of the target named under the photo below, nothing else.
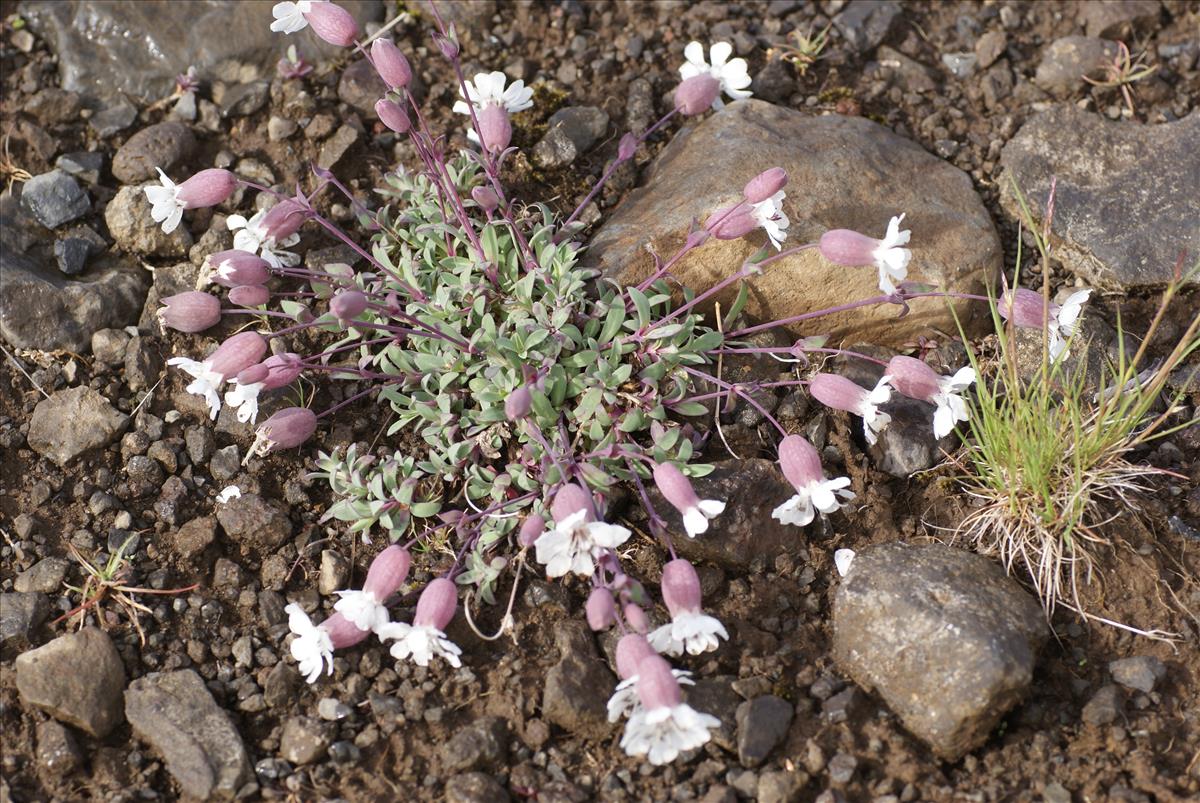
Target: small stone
(57, 751)
(1140, 672)
(762, 723)
(280, 128)
(200, 443)
(360, 86)
(108, 346)
(83, 165)
(570, 131)
(475, 787)
(1055, 792)
(990, 47)
(1117, 18)
(304, 740)
(331, 709)
(1067, 60)
(482, 745)
(335, 570)
(128, 218)
(907, 444)
(143, 365)
(841, 768)
(52, 106)
(1105, 707)
(244, 99)
(54, 198)
(865, 23)
(554, 149)
(195, 536)
(46, 576)
(279, 689)
(320, 126)
(114, 118)
(77, 679)
(569, 696)
(962, 65)
(72, 254)
(781, 786)
(163, 146)
(72, 422)
(20, 615)
(175, 713)
(254, 523)
(225, 463)
(336, 146)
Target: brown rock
(77, 679)
(72, 422)
(577, 687)
(161, 146)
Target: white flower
(625, 700)
(574, 544)
(422, 643)
(692, 631)
(663, 733)
(873, 420)
(842, 559)
(165, 206)
(362, 609)
(312, 648)
(289, 16)
(249, 236)
(819, 494)
(227, 493)
(1065, 321)
(890, 258)
(488, 89)
(950, 406)
(244, 399)
(770, 216)
(206, 382)
(730, 73)
(695, 519)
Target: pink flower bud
(250, 295)
(495, 130)
(601, 613)
(348, 305)
(237, 353)
(848, 248)
(675, 487)
(486, 197)
(254, 374)
(1024, 308)
(569, 500)
(681, 587)
(342, 632)
(837, 392)
(388, 572)
(695, 95)
(288, 428)
(206, 188)
(800, 462)
(332, 23)
(656, 686)
(447, 46)
(437, 604)
(914, 378)
(282, 370)
(636, 618)
(627, 147)
(631, 649)
(518, 404)
(392, 115)
(531, 529)
(234, 268)
(764, 185)
(285, 218)
(731, 222)
(391, 65)
(190, 312)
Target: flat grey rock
(77, 679)
(73, 421)
(844, 172)
(1126, 203)
(175, 714)
(55, 198)
(942, 635)
(20, 615)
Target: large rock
(943, 635)
(20, 615)
(844, 172)
(77, 679)
(71, 422)
(55, 198)
(175, 713)
(112, 48)
(1126, 203)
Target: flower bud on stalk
(342, 632)
(391, 65)
(207, 188)
(332, 23)
(250, 295)
(657, 686)
(914, 378)
(348, 305)
(764, 185)
(636, 618)
(233, 268)
(695, 95)
(190, 312)
(286, 429)
(495, 130)
(601, 612)
(437, 604)
(800, 461)
(518, 404)
(1024, 307)
(631, 649)
(731, 222)
(388, 572)
(486, 197)
(238, 352)
(681, 587)
(392, 115)
(533, 526)
(284, 219)
(569, 500)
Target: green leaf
(612, 323)
(738, 305)
(641, 304)
(690, 408)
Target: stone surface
(475, 787)
(304, 740)
(254, 523)
(20, 615)
(128, 218)
(577, 687)
(77, 679)
(175, 714)
(865, 23)
(481, 745)
(72, 253)
(843, 173)
(360, 86)
(907, 444)
(195, 536)
(54, 198)
(1117, 18)
(167, 281)
(336, 146)
(57, 751)
(570, 132)
(1065, 61)
(110, 49)
(71, 422)
(164, 146)
(1126, 203)
(45, 576)
(751, 489)
(1139, 673)
(83, 165)
(240, 100)
(114, 118)
(762, 723)
(1105, 707)
(942, 635)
